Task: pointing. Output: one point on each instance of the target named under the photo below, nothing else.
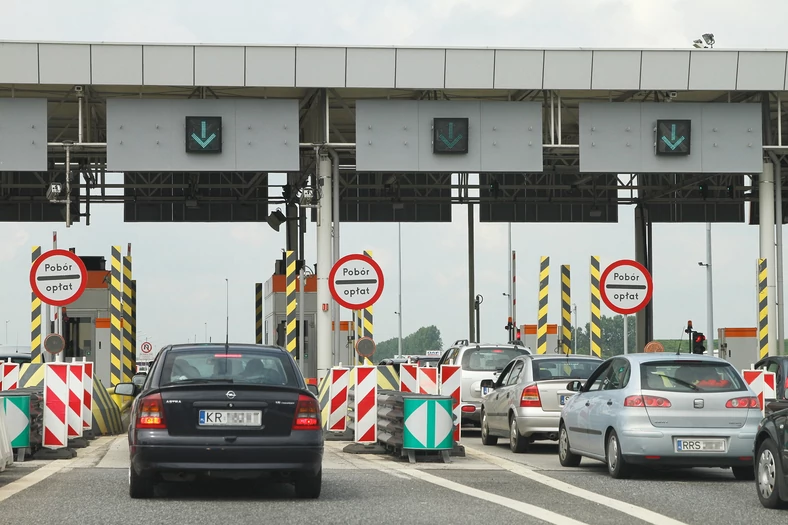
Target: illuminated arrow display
(673, 137)
(203, 134)
(450, 135)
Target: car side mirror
(313, 389)
(487, 383)
(574, 386)
(126, 389)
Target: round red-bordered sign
(342, 289)
(146, 347)
(55, 286)
(641, 289)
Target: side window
(619, 375)
(773, 366)
(599, 376)
(504, 377)
(444, 360)
(514, 377)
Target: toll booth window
(489, 359)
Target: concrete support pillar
(766, 245)
(323, 232)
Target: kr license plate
(563, 399)
(700, 445)
(230, 418)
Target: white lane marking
(627, 508)
(518, 506)
(39, 475)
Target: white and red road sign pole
(428, 380)
(56, 396)
(337, 399)
(9, 376)
(75, 394)
(365, 410)
(87, 394)
(408, 378)
(763, 384)
(451, 385)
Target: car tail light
(743, 402)
(151, 413)
(530, 397)
(646, 401)
(307, 414)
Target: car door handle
(609, 402)
(588, 403)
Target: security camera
(673, 94)
(54, 191)
(78, 88)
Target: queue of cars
(644, 409)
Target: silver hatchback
(661, 410)
(525, 402)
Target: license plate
(230, 418)
(486, 390)
(700, 445)
(562, 399)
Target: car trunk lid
(222, 409)
(553, 394)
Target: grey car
(525, 401)
(478, 362)
(661, 410)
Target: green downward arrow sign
(452, 140)
(673, 143)
(203, 141)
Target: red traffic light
(518, 334)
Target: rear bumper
(536, 423)
(656, 446)
(164, 453)
(471, 411)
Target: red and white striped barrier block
(451, 385)
(87, 394)
(428, 380)
(55, 402)
(763, 384)
(74, 414)
(408, 378)
(337, 399)
(365, 410)
(9, 376)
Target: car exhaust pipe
(553, 436)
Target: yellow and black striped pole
(291, 338)
(133, 326)
(566, 309)
(541, 321)
(763, 309)
(115, 313)
(35, 318)
(369, 326)
(258, 313)
(596, 308)
(127, 304)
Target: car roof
(670, 356)
(220, 346)
(539, 357)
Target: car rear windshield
(690, 376)
(236, 365)
(564, 368)
(489, 359)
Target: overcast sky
(180, 269)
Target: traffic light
(698, 341)
(517, 335)
(704, 190)
(287, 193)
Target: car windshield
(195, 365)
(564, 368)
(489, 359)
(690, 376)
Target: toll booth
(86, 321)
(528, 337)
(739, 346)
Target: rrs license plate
(230, 418)
(700, 445)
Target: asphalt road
(489, 485)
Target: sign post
(356, 281)
(58, 278)
(626, 288)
